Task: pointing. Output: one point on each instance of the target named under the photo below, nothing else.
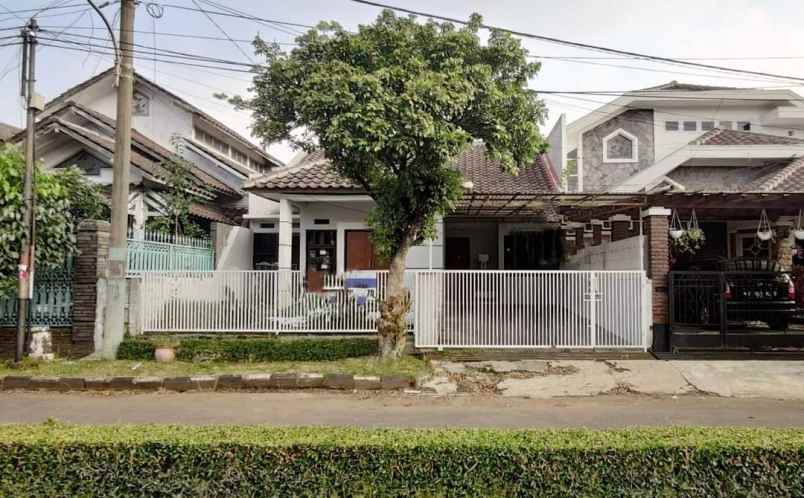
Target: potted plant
(165, 349)
(690, 242)
(676, 229)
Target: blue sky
(769, 32)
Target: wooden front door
(458, 252)
(360, 253)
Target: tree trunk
(392, 327)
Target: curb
(245, 382)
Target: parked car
(757, 290)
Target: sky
(760, 36)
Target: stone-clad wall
(603, 176)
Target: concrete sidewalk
(545, 379)
(380, 409)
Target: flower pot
(676, 234)
(765, 235)
(798, 234)
(164, 354)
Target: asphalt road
(396, 410)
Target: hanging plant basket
(676, 229)
(798, 232)
(764, 229)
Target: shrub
(58, 460)
(135, 349)
(193, 349)
(253, 349)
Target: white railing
(260, 301)
(449, 309)
(530, 309)
(156, 251)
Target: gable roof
(686, 87)
(70, 92)
(7, 131)
(314, 173)
(146, 154)
(719, 136)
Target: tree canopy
(392, 106)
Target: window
(690, 125)
(239, 157)
(671, 125)
(744, 125)
(321, 221)
(211, 141)
(620, 147)
(707, 125)
(725, 125)
(321, 251)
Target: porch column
(285, 234)
(656, 223)
(620, 227)
(285, 263)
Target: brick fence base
(62, 339)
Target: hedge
(251, 461)
(254, 349)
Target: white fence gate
(532, 309)
(450, 309)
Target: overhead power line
(241, 15)
(585, 46)
(218, 26)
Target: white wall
(234, 248)
(625, 254)
(351, 215)
(163, 121)
(260, 207)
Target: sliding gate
(532, 309)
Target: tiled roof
(788, 178)
(67, 94)
(314, 173)
(720, 136)
(142, 147)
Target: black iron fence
(734, 308)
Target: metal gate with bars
(532, 309)
(450, 309)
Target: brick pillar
(620, 227)
(656, 223)
(89, 289)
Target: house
(729, 161)
(331, 233)
(77, 128)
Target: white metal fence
(260, 301)
(532, 309)
(450, 309)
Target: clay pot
(164, 354)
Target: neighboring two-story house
(729, 161)
(78, 128)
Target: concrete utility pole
(116, 282)
(26, 264)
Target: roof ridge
(706, 136)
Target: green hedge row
(156, 461)
(254, 349)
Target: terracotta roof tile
(314, 173)
(787, 179)
(720, 136)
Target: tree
(178, 197)
(392, 106)
(63, 199)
